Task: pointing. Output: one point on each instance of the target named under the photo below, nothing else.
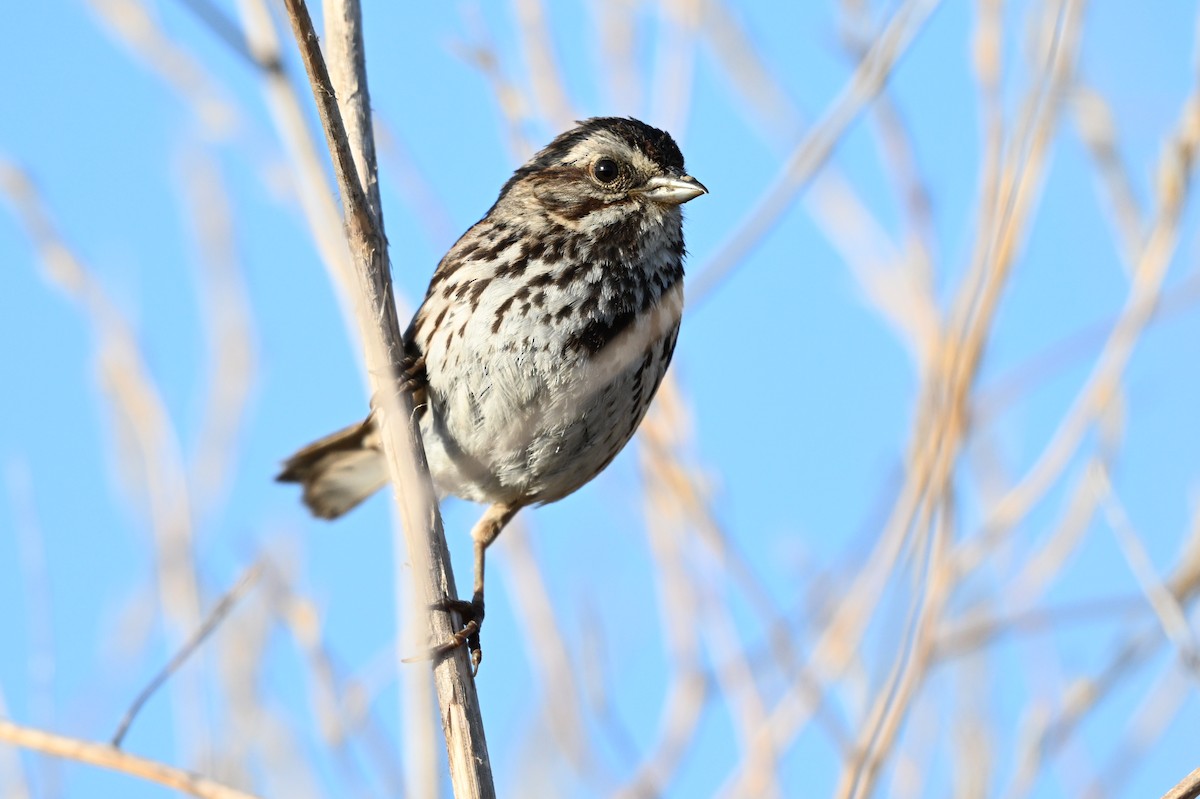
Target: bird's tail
(338, 471)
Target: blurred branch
(896, 146)
(1086, 342)
(877, 736)
(228, 324)
(1136, 647)
(893, 277)
(1166, 606)
(214, 618)
(227, 31)
(678, 592)
(38, 610)
(140, 421)
(1097, 127)
(348, 79)
(1147, 728)
(109, 757)
(1175, 173)
(556, 676)
(536, 44)
(342, 707)
(673, 80)
(130, 21)
(818, 144)
(666, 434)
(513, 100)
(291, 124)
(380, 332)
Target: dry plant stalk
(470, 768)
(1188, 787)
(109, 757)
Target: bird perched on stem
(544, 333)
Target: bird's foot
(471, 614)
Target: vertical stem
(462, 723)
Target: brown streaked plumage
(544, 333)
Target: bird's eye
(606, 170)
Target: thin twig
(215, 617)
(1166, 606)
(229, 33)
(1156, 254)
(109, 757)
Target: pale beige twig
(1053, 730)
(338, 705)
(407, 177)
(542, 63)
(897, 148)
(878, 734)
(668, 431)
(894, 278)
(130, 21)
(938, 437)
(303, 151)
(228, 323)
(981, 629)
(1187, 788)
(1094, 119)
(974, 740)
(1034, 577)
(513, 99)
(14, 777)
(555, 674)
(689, 688)
(1174, 173)
(109, 757)
(1086, 342)
(622, 78)
(757, 84)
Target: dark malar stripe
(599, 333)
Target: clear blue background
(801, 396)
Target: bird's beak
(673, 191)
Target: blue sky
(801, 398)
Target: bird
(542, 338)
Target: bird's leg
(483, 534)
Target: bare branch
(215, 617)
(379, 328)
(109, 757)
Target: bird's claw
(471, 614)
